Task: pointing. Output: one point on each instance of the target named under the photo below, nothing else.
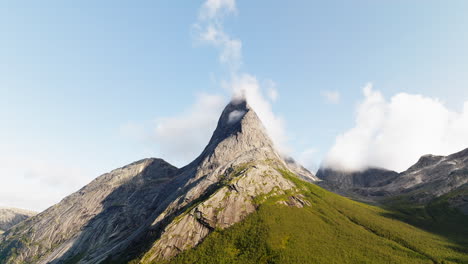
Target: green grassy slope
(332, 230)
(438, 216)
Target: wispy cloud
(393, 134)
(332, 97)
(182, 137)
(210, 29)
(26, 175)
(213, 9)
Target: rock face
(152, 209)
(372, 177)
(300, 171)
(12, 216)
(431, 177)
(102, 215)
(237, 165)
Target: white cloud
(332, 97)
(215, 8)
(308, 159)
(36, 183)
(270, 86)
(394, 134)
(247, 86)
(182, 138)
(209, 29)
(230, 49)
(235, 116)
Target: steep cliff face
(101, 216)
(12, 216)
(431, 177)
(372, 177)
(153, 209)
(238, 165)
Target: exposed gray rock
(12, 216)
(99, 217)
(431, 177)
(150, 207)
(240, 162)
(371, 177)
(300, 171)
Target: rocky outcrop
(12, 216)
(371, 177)
(237, 165)
(153, 209)
(300, 171)
(101, 216)
(431, 177)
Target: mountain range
(241, 201)
(429, 179)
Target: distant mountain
(12, 216)
(431, 177)
(240, 201)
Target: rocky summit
(154, 210)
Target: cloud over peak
(394, 133)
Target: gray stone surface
(153, 209)
(431, 177)
(12, 216)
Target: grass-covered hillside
(332, 229)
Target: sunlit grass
(332, 230)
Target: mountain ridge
(430, 177)
(239, 201)
(151, 200)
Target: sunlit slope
(332, 229)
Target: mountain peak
(152, 205)
(239, 133)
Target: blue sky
(83, 84)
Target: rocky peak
(153, 209)
(425, 161)
(239, 129)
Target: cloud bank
(394, 133)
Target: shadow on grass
(437, 218)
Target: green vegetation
(332, 230)
(436, 217)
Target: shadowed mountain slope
(431, 177)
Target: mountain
(12, 216)
(152, 201)
(239, 201)
(431, 177)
